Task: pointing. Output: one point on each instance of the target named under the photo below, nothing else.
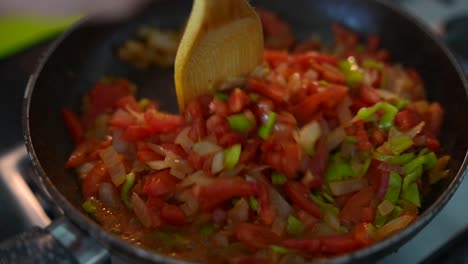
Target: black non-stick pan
(88, 52)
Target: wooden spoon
(222, 42)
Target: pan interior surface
(88, 53)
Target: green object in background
(18, 33)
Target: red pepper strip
(221, 190)
(267, 212)
(79, 155)
(317, 164)
(162, 122)
(329, 98)
(299, 194)
(270, 90)
(328, 245)
(74, 126)
(351, 212)
(362, 234)
(275, 57)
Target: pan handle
(60, 242)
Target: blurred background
(28, 27)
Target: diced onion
(138, 116)
(347, 186)
(84, 169)
(283, 210)
(239, 213)
(100, 126)
(114, 165)
(415, 130)
(157, 164)
(308, 135)
(198, 178)
(335, 138)
(294, 82)
(311, 75)
(386, 94)
(159, 149)
(108, 195)
(183, 140)
(393, 226)
(119, 145)
(218, 162)
(385, 207)
(141, 210)
(177, 173)
(206, 147)
(331, 219)
(178, 164)
(190, 203)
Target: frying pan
(88, 52)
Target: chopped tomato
(219, 107)
(97, 175)
(432, 143)
(162, 122)
(434, 118)
(329, 98)
(237, 100)
(160, 183)
(148, 155)
(299, 195)
(367, 214)
(74, 126)
(407, 119)
(362, 234)
(79, 155)
(221, 190)
(198, 130)
(255, 236)
(122, 120)
(173, 214)
(270, 90)
(155, 205)
(369, 95)
(136, 132)
(105, 94)
(351, 212)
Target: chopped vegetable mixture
(317, 155)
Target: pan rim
(114, 242)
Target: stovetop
(443, 240)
